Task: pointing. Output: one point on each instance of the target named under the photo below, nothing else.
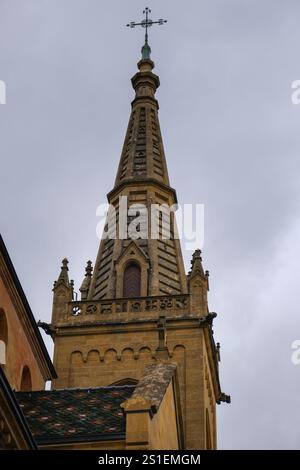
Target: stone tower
(138, 306)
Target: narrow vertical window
(132, 281)
(3, 338)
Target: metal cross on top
(146, 23)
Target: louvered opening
(132, 281)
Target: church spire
(138, 306)
(142, 177)
(143, 155)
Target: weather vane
(146, 23)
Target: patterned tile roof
(75, 414)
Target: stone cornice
(142, 182)
(132, 326)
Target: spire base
(146, 51)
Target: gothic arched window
(132, 280)
(3, 337)
(26, 385)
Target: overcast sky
(232, 142)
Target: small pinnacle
(196, 263)
(86, 281)
(64, 272)
(197, 254)
(89, 269)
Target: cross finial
(146, 23)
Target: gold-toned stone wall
(102, 355)
(163, 426)
(20, 351)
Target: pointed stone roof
(142, 177)
(64, 276)
(196, 264)
(143, 154)
(86, 281)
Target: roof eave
(16, 281)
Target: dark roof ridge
(77, 388)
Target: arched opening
(127, 381)
(26, 385)
(3, 337)
(132, 280)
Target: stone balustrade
(142, 306)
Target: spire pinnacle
(88, 269)
(196, 263)
(142, 176)
(146, 23)
(86, 281)
(64, 277)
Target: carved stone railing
(135, 307)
